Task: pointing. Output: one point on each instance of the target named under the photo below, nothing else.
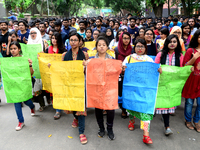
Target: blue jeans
(188, 110)
(81, 122)
(58, 110)
(18, 109)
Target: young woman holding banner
(15, 50)
(56, 47)
(170, 55)
(102, 46)
(139, 56)
(191, 89)
(123, 49)
(75, 53)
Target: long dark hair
(117, 35)
(60, 45)
(165, 50)
(194, 41)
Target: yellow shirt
(76, 26)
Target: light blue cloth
(140, 86)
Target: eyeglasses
(95, 34)
(33, 33)
(149, 34)
(177, 32)
(73, 40)
(140, 47)
(126, 38)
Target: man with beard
(82, 26)
(42, 28)
(67, 28)
(158, 28)
(133, 30)
(98, 26)
(191, 22)
(58, 25)
(4, 38)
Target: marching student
(140, 55)
(171, 55)
(102, 46)
(75, 53)
(15, 50)
(191, 88)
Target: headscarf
(177, 28)
(111, 37)
(122, 52)
(38, 39)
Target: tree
(157, 6)
(134, 6)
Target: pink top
(157, 60)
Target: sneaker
(20, 126)
(33, 111)
(111, 135)
(101, 133)
(168, 131)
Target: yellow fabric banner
(44, 60)
(92, 53)
(68, 85)
(90, 45)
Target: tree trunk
(168, 7)
(41, 11)
(184, 8)
(158, 10)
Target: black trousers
(110, 118)
(166, 119)
(120, 88)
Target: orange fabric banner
(102, 83)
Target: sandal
(83, 138)
(104, 112)
(197, 127)
(189, 125)
(41, 108)
(57, 116)
(75, 123)
(131, 125)
(147, 140)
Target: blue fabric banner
(140, 87)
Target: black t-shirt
(4, 43)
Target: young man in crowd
(58, 25)
(23, 33)
(133, 30)
(4, 38)
(42, 28)
(67, 28)
(158, 28)
(82, 26)
(191, 22)
(98, 25)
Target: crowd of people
(174, 42)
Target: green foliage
(21, 15)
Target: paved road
(34, 136)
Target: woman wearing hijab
(123, 49)
(36, 38)
(178, 31)
(109, 34)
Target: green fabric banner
(31, 51)
(16, 78)
(0, 71)
(171, 83)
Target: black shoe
(101, 133)
(111, 135)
